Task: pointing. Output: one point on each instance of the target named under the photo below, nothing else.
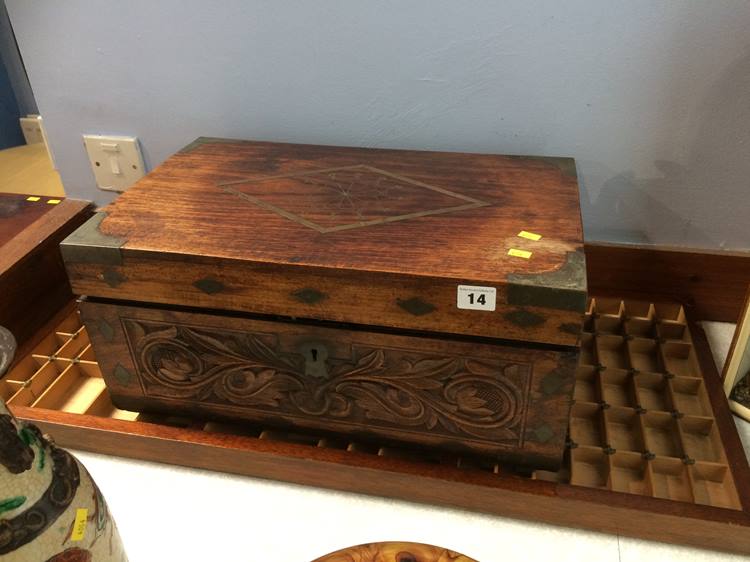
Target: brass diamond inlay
(348, 197)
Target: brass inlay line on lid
(469, 202)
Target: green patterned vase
(50, 508)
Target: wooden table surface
(17, 213)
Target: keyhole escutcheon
(315, 355)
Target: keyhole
(315, 355)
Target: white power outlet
(117, 162)
(33, 131)
(31, 125)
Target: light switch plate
(117, 162)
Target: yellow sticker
(52, 201)
(79, 525)
(33, 198)
(529, 235)
(525, 254)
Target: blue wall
(10, 129)
(11, 58)
(650, 97)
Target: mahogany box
(435, 299)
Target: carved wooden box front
(459, 395)
(445, 394)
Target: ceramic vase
(50, 508)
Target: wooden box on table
(428, 298)
(33, 283)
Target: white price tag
(476, 298)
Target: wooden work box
(415, 297)
(31, 229)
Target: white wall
(651, 98)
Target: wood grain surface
(730, 439)
(346, 234)
(394, 552)
(512, 403)
(16, 213)
(33, 282)
(713, 283)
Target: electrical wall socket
(117, 162)
(31, 125)
(33, 132)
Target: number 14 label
(476, 298)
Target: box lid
(473, 244)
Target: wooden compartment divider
(652, 448)
(649, 403)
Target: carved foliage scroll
(451, 395)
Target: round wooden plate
(394, 552)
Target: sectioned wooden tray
(653, 451)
